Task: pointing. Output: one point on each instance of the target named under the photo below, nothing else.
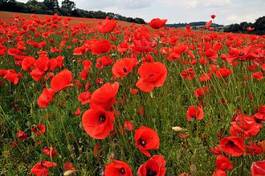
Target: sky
(175, 11)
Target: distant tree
(51, 4)
(260, 25)
(68, 5)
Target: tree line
(67, 8)
(258, 27)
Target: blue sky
(227, 11)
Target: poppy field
(109, 98)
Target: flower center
(142, 142)
(151, 172)
(122, 171)
(124, 69)
(102, 118)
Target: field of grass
(79, 93)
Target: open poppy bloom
(98, 123)
(42, 168)
(105, 96)
(100, 46)
(233, 146)
(146, 139)
(107, 25)
(194, 112)
(258, 168)
(155, 166)
(117, 168)
(61, 80)
(152, 75)
(157, 23)
(244, 126)
(123, 67)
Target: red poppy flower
(188, 74)
(244, 126)
(45, 98)
(151, 75)
(12, 76)
(146, 139)
(258, 76)
(213, 16)
(84, 97)
(233, 146)
(36, 74)
(199, 92)
(155, 166)
(128, 125)
(205, 77)
(258, 168)
(27, 63)
(68, 166)
(39, 129)
(157, 23)
(61, 80)
(42, 63)
(42, 168)
(219, 172)
(104, 96)
(223, 163)
(108, 25)
(123, 67)
(21, 135)
(49, 151)
(98, 123)
(117, 168)
(103, 62)
(194, 112)
(254, 149)
(260, 115)
(223, 72)
(100, 46)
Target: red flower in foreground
(233, 146)
(117, 168)
(155, 166)
(146, 139)
(61, 80)
(258, 168)
(123, 67)
(104, 96)
(42, 168)
(223, 163)
(194, 112)
(45, 98)
(151, 75)
(157, 23)
(98, 123)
